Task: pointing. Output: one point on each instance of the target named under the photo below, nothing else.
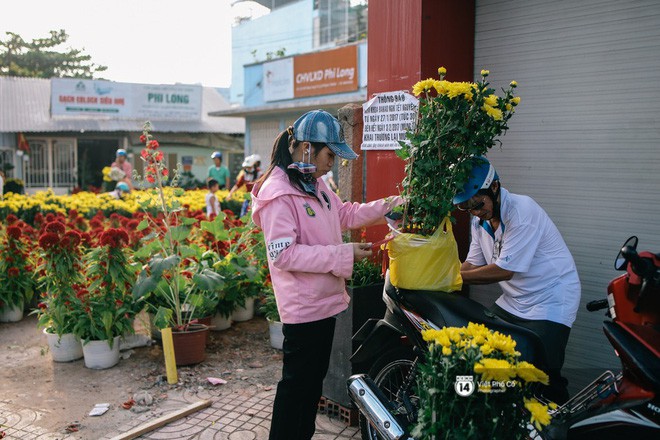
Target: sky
(140, 41)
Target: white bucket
(220, 322)
(66, 348)
(11, 314)
(244, 313)
(98, 354)
(276, 335)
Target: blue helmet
(217, 154)
(121, 152)
(482, 175)
(123, 186)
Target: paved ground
(40, 398)
(243, 415)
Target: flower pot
(220, 322)
(11, 313)
(244, 313)
(190, 345)
(99, 355)
(276, 335)
(65, 348)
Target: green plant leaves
(207, 279)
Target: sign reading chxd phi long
(387, 117)
(77, 97)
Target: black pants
(554, 337)
(306, 358)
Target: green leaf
(144, 285)
(208, 280)
(163, 317)
(188, 221)
(159, 265)
(180, 233)
(144, 224)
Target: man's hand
(488, 274)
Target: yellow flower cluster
(466, 90)
(539, 413)
(472, 336)
(88, 203)
(106, 174)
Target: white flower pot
(11, 314)
(244, 313)
(98, 354)
(276, 335)
(66, 348)
(220, 322)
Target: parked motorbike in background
(627, 402)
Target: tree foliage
(44, 58)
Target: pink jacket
(307, 259)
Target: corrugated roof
(25, 107)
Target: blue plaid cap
(321, 126)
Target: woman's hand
(361, 250)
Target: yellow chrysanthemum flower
(515, 100)
(529, 373)
(485, 72)
(491, 100)
(442, 72)
(502, 343)
(486, 349)
(494, 369)
(446, 351)
(494, 113)
(539, 413)
(423, 86)
(513, 84)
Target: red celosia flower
(74, 238)
(150, 179)
(143, 139)
(13, 272)
(153, 145)
(55, 227)
(119, 302)
(14, 232)
(50, 217)
(11, 219)
(49, 240)
(73, 214)
(42, 305)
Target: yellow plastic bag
(426, 263)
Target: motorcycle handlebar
(599, 304)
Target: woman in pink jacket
(302, 221)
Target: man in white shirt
(515, 243)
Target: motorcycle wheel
(389, 372)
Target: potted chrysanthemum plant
(473, 384)
(457, 121)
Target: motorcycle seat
(636, 356)
(452, 310)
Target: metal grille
(37, 168)
(64, 164)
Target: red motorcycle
(625, 403)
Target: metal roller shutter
(585, 140)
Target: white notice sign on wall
(386, 118)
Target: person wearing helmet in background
(515, 243)
(124, 165)
(217, 171)
(120, 189)
(246, 177)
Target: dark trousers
(306, 358)
(554, 337)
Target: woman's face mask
(304, 167)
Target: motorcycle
(625, 402)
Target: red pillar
(408, 41)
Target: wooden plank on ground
(163, 420)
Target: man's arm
(488, 274)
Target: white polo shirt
(545, 284)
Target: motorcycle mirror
(621, 261)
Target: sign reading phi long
(75, 97)
(387, 117)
